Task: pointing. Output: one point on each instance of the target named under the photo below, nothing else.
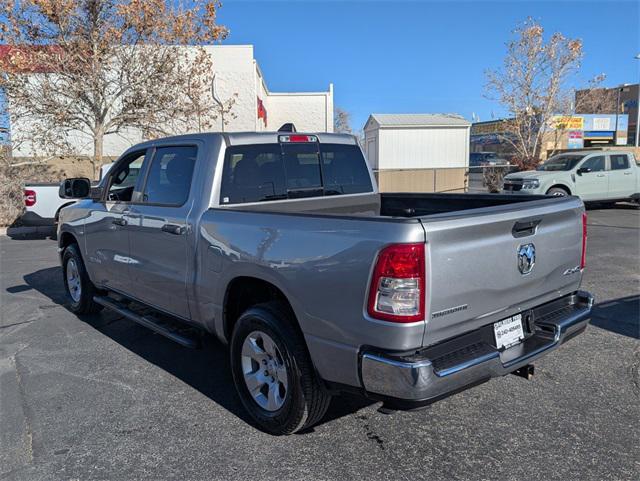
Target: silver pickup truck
(281, 246)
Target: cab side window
(596, 164)
(619, 162)
(169, 178)
(122, 181)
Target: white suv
(594, 176)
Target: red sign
(575, 134)
(262, 112)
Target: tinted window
(169, 178)
(255, 173)
(302, 167)
(124, 178)
(619, 162)
(596, 164)
(344, 170)
(561, 162)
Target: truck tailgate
(473, 276)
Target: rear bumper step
(155, 325)
(454, 365)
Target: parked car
(282, 247)
(609, 176)
(485, 159)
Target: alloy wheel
(265, 374)
(74, 284)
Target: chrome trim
(418, 381)
(395, 378)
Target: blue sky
(420, 56)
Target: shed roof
(418, 120)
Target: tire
(290, 398)
(558, 192)
(79, 287)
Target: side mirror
(76, 188)
(583, 170)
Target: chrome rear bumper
(431, 374)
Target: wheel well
(66, 239)
(560, 186)
(244, 292)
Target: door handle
(600, 175)
(119, 221)
(628, 173)
(524, 228)
(173, 229)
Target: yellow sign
(563, 122)
(490, 127)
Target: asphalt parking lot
(103, 398)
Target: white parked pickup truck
(42, 202)
(602, 176)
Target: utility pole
(637, 57)
(615, 133)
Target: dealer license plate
(509, 331)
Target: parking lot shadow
(205, 369)
(609, 206)
(621, 316)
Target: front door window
(122, 182)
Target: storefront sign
(490, 127)
(575, 139)
(601, 123)
(565, 122)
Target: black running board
(155, 326)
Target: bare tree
(342, 121)
(85, 69)
(532, 86)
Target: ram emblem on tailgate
(526, 258)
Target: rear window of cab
(265, 172)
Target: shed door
(372, 154)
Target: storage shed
(418, 152)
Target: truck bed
(420, 204)
(396, 205)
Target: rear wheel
(77, 283)
(558, 192)
(273, 373)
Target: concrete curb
(27, 230)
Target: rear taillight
(397, 291)
(29, 197)
(583, 258)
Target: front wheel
(557, 191)
(77, 283)
(273, 373)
